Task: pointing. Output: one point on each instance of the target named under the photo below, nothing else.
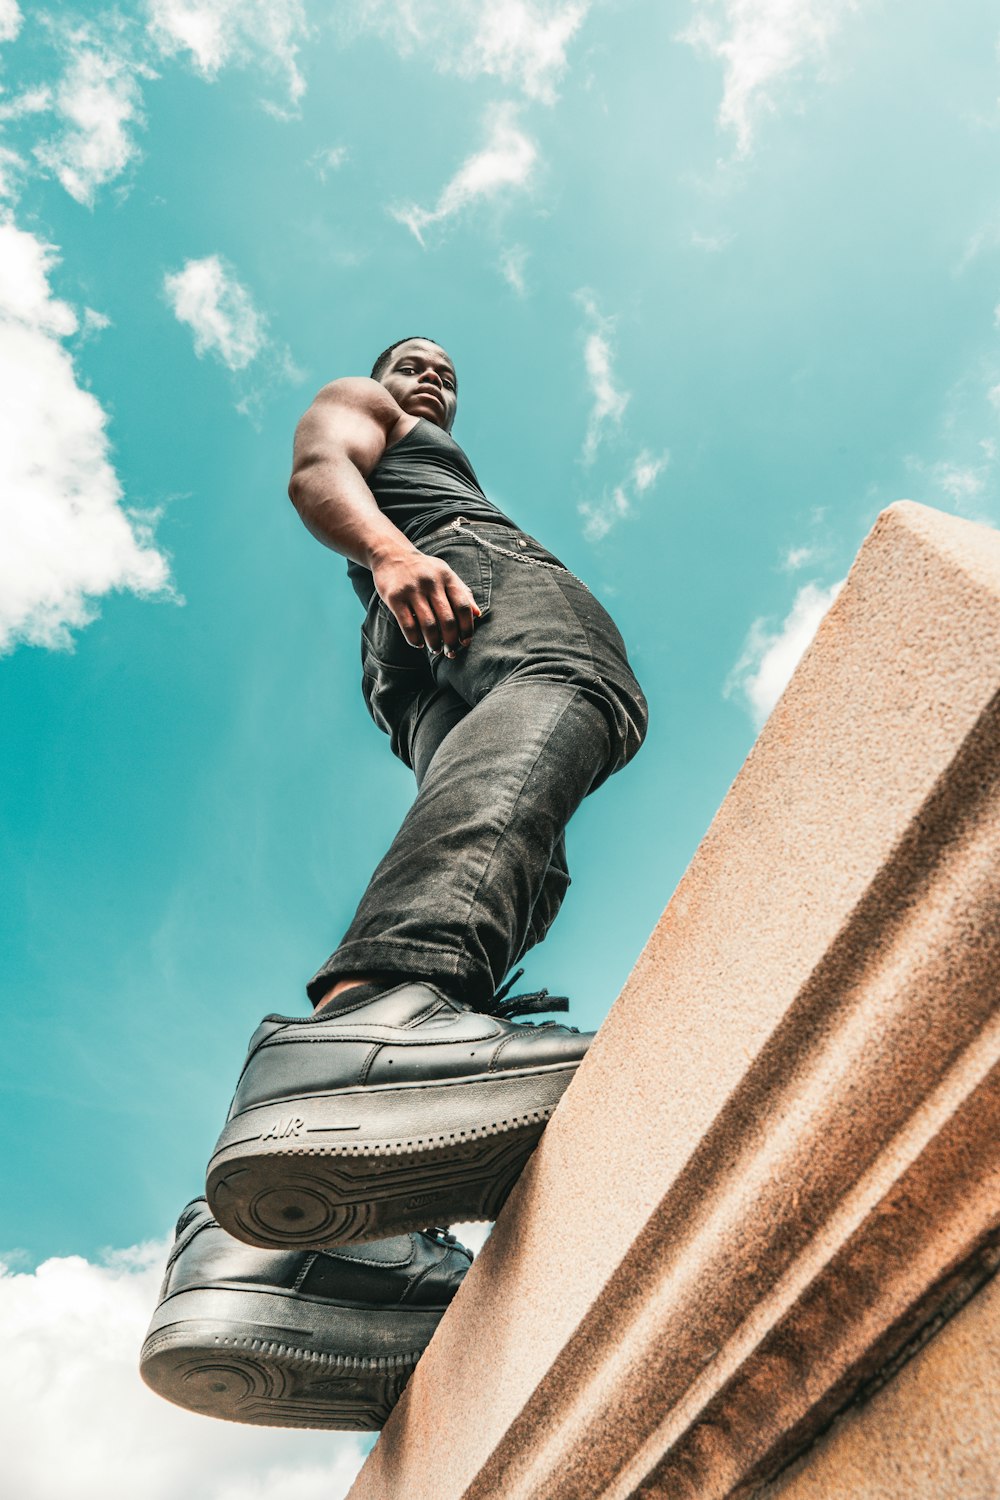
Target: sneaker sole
(339, 1169)
(276, 1361)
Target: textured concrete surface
(933, 1433)
(782, 1149)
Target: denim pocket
(469, 561)
(393, 673)
(518, 547)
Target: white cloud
(983, 241)
(206, 295)
(69, 1366)
(601, 516)
(796, 558)
(609, 402)
(67, 538)
(10, 20)
(32, 102)
(25, 296)
(100, 104)
(217, 33)
(327, 159)
(770, 656)
(93, 322)
(523, 43)
(513, 264)
(967, 478)
(647, 469)
(218, 310)
(759, 43)
(608, 405)
(472, 1236)
(12, 169)
(960, 482)
(506, 161)
(966, 486)
(712, 244)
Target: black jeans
(506, 740)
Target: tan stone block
(782, 1151)
(933, 1432)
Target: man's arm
(337, 444)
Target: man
(411, 1095)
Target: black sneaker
(404, 1110)
(295, 1338)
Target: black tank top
(420, 483)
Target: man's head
(421, 377)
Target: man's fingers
(436, 610)
(407, 622)
(429, 627)
(465, 608)
(465, 619)
(445, 616)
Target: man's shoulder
(349, 399)
(360, 393)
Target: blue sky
(721, 280)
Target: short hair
(381, 364)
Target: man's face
(422, 379)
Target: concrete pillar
(779, 1166)
(929, 1433)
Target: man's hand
(430, 603)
